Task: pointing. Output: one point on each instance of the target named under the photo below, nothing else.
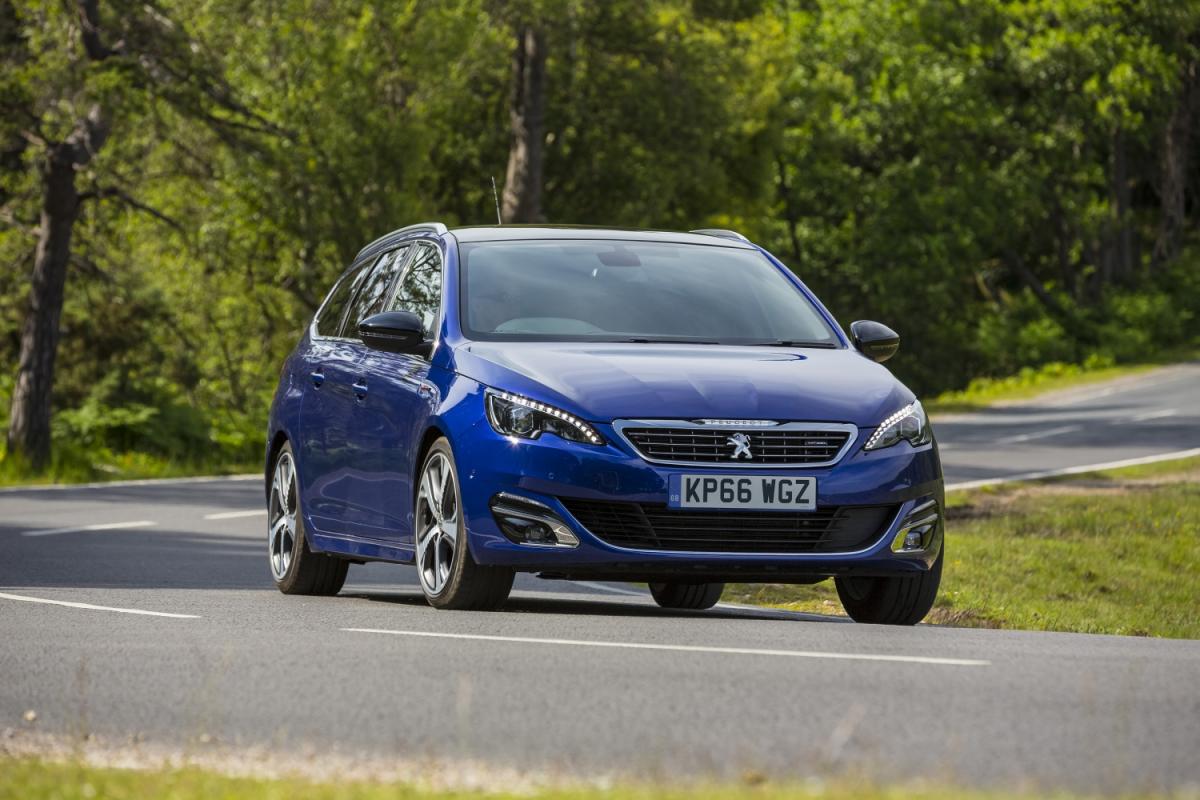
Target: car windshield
(632, 291)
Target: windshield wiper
(795, 343)
(645, 340)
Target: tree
(60, 161)
(132, 56)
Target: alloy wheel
(437, 524)
(281, 516)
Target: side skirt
(364, 549)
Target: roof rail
(723, 233)
(436, 228)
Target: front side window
(420, 290)
(633, 291)
(374, 289)
(329, 318)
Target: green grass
(1031, 382)
(1026, 384)
(28, 779)
(1111, 552)
(107, 466)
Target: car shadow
(524, 604)
(159, 557)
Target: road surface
(147, 611)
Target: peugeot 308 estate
(671, 408)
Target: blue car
(670, 408)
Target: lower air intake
(648, 526)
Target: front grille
(649, 526)
(767, 445)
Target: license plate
(761, 492)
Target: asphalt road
(591, 678)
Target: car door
(394, 411)
(327, 411)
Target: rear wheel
(898, 600)
(694, 596)
(295, 568)
(449, 576)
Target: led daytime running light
(570, 419)
(912, 409)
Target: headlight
(513, 415)
(909, 423)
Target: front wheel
(295, 568)
(895, 600)
(450, 578)
(694, 596)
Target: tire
(449, 577)
(295, 568)
(694, 596)
(900, 600)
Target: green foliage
(985, 176)
(32, 779)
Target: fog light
(916, 530)
(526, 521)
(524, 530)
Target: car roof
(510, 233)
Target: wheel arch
(432, 433)
(277, 442)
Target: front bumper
(546, 469)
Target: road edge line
(48, 487)
(1080, 470)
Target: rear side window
(329, 318)
(370, 297)
(420, 291)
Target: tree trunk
(522, 201)
(1122, 235)
(789, 210)
(29, 422)
(1176, 152)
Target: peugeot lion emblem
(741, 446)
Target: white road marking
(1054, 473)
(1166, 412)
(90, 607)
(1029, 437)
(105, 526)
(258, 512)
(684, 648)
(50, 487)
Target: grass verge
(117, 467)
(1108, 552)
(31, 779)
(1031, 382)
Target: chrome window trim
(747, 426)
(410, 244)
(312, 325)
(432, 228)
(408, 264)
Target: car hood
(602, 382)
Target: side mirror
(393, 332)
(874, 340)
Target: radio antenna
(496, 198)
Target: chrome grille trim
(764, 430)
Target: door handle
(360, 389)
(317, 377)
